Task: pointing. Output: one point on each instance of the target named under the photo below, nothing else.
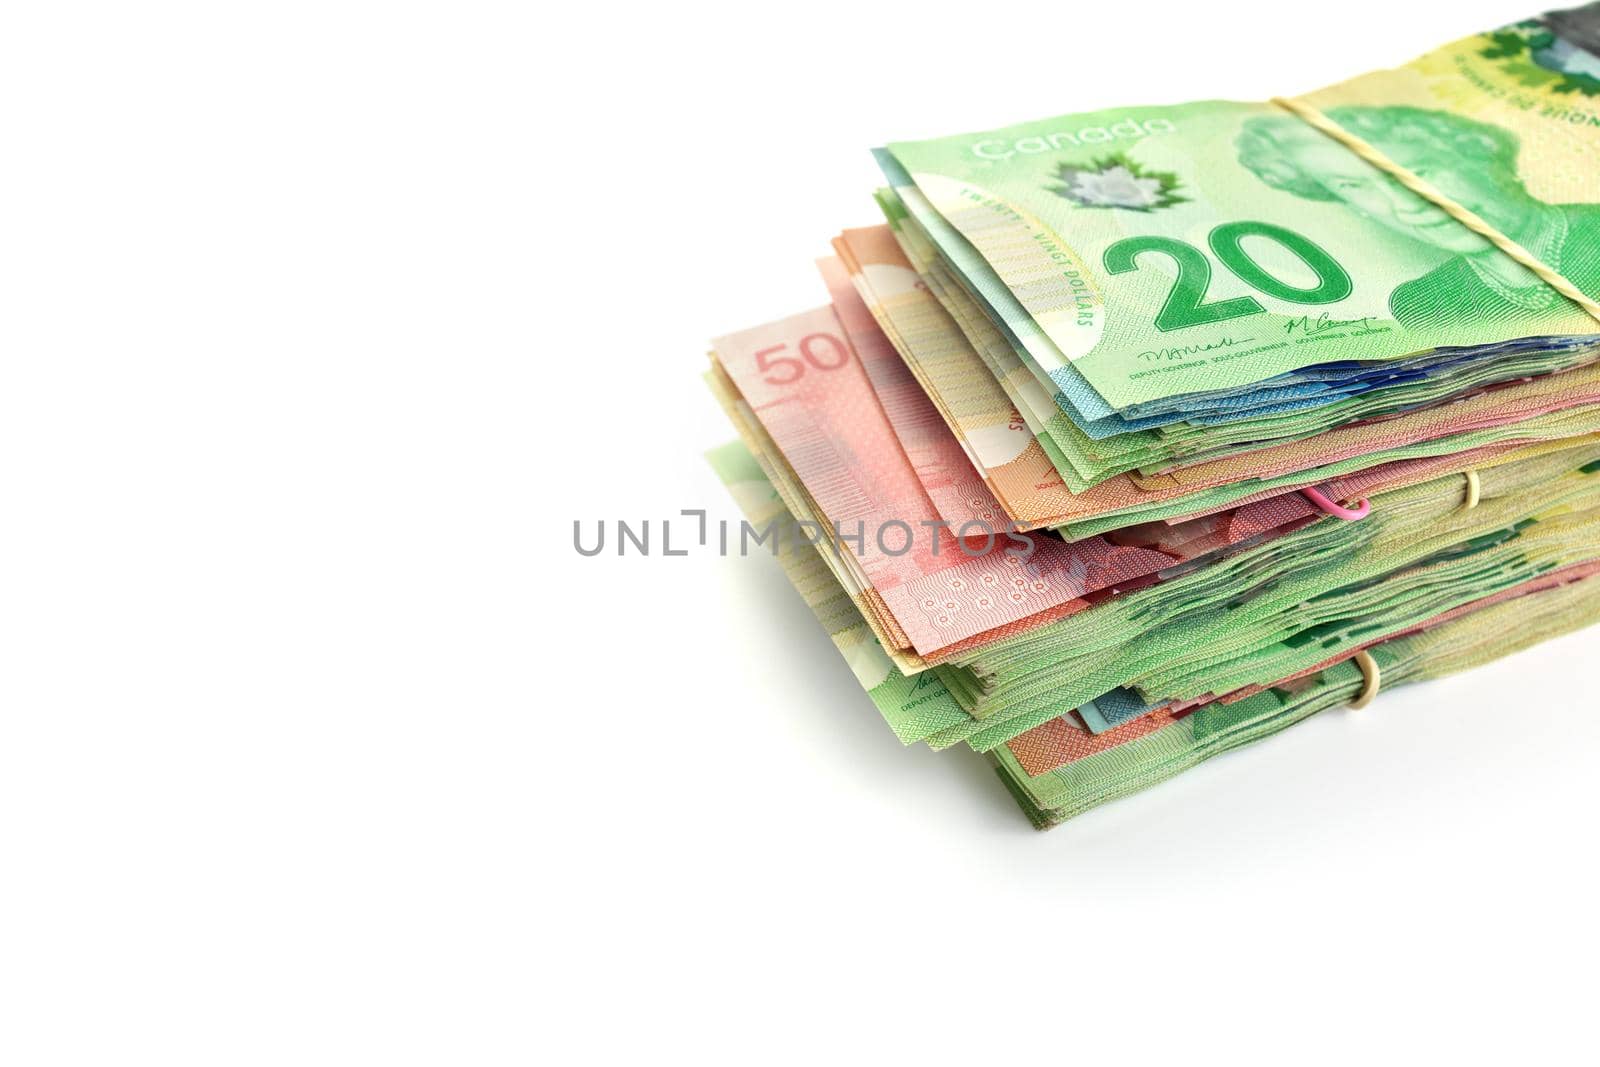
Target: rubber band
(1360, 510)
(1317, 120)
(1371, 680)
(1474, 489)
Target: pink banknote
(943, 467)
(806, 385)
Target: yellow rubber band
(1473, 490)
(1366, 151)
(1371, 680)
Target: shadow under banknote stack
(1134, 436)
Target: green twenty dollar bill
(1162, 251)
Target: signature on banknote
(1307, 325)
(1158, 355)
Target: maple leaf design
(1116, 181)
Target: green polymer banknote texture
(1287, 604)
(1470, 641)
(920, 707)
(1157, 251)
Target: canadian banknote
(1176, 743)
(1068, 444)
(1161, 251)
(1058, 769)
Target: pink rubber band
(1362, 509)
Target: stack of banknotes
(1133, 436)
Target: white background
(318, 741)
